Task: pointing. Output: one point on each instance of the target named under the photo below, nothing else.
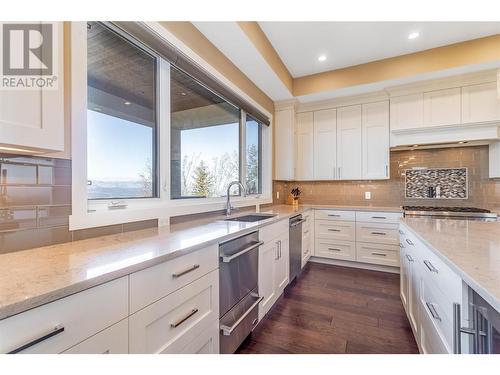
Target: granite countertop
(470, 248)
(31, 278)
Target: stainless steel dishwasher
(238, 293)
(295, 245)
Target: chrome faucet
(228, 201)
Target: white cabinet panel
(325, 144)
(349, 148)
(284, 144)
(383, 233)
(335, 249)
(375, 136)
(494, 155)
(335, 230)
(268, 255)
(113, 340)
(34, 119)
(205, 343)
(374, 253)
(407, 112)
(480, 103)
(170, 324)
(305, 146)
(442, 107)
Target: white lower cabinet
(274, 269)
(177, 320)
(113, 340)
(206, 343)
(60, 325)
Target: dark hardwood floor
(334, 309)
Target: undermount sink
(251, 218)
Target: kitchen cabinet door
(325, 144)
(349, 148)
(442, 107)
(282, 264)
(494, 155)
(33, 119)
(268, 256)
(284, 143)
(375, 139)
(413, 292)
(403, 275)
(305, 146)
(407, 112)
(480, 103)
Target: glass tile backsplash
(436, 183)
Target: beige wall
(483, 192)
(196, 41)
(455, 55)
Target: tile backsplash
(441, 183)
(35, 204)
(483, 192)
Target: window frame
(94, 213)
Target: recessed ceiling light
(413, 35)
(322, 58)
(127, 103)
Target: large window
(205, 140)
(121, 117)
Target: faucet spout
(229, 207)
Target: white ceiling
(351, 43)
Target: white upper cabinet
(284, 136)
(325, 144)
(407, 112)
(480, 103)
(442, 107)
(375, 140)
(305, 146)
(349, 148)
(494, 154)
(32, 120)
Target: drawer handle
(227, 259)
(430, 266)
(333, 230)
(182, 320)
(379, 217)
(409, 242)
(226, 330)
(305, 232)
(410, 259)
(57, 330)
(332, 215)
(379, 233)
(401, 245)
(433, 311)
(334, 249)
(182, 273)
(401, 232)
(380, 254)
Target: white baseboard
(345, 263)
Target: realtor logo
(28, 56)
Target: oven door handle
(226, 331)
(227, 259)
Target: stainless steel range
(468, 213)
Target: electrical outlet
(368, 195)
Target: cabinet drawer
(151, 284)
(340, 230)
(170, 324)
(439, 310)
(113, 340)
(377, 233)
(387, 255)
(270, 232)
(335, 249)
(335, 215)
(206, 343)
(430, 340)
(81, 315)
(378, 217)
(433, 268)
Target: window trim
(161, 208)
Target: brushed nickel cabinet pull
(334, 215)
(182, 320)
(410, 259)
(433, 311)
(430, 266)
(380, 254)
(409, 242)
(57, 330)
(333, 230)
(334, 249)
(182, 273)
(379, 217)
(379, 233)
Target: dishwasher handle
(227, 259)
(298, 222)
(226, 331)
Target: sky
(113, 141)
